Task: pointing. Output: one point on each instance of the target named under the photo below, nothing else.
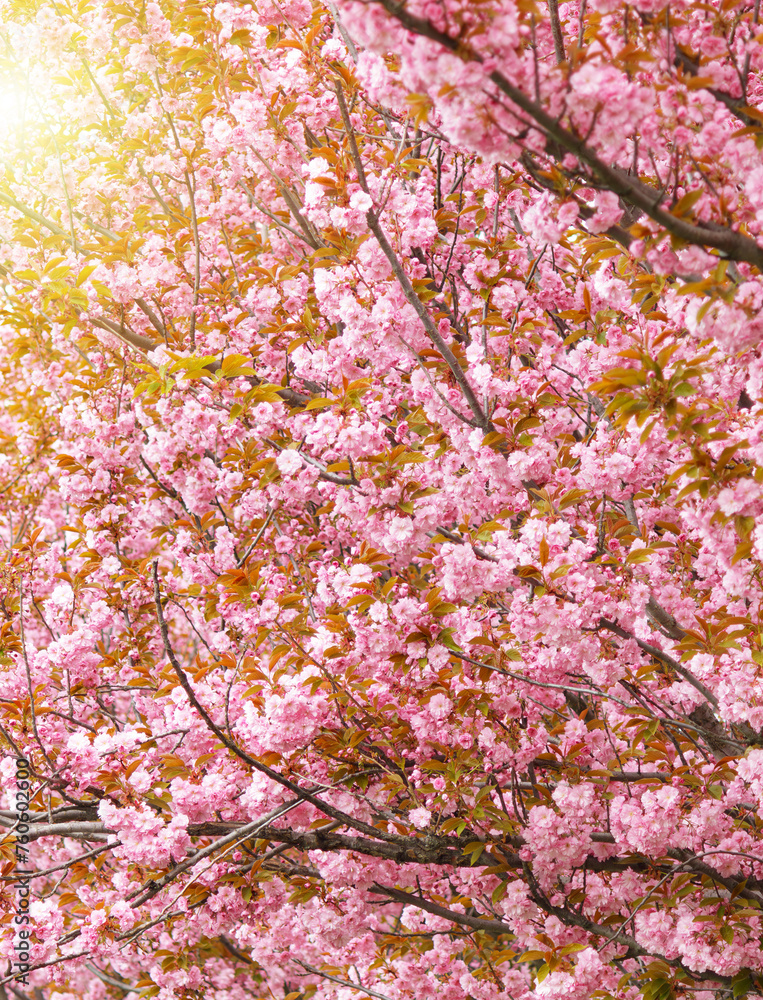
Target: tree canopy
(381, 499)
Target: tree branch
(733, 245)
(426, 320)
(494, 927)
(303, 793)
(341, 982)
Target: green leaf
(684, 205)
(58, 272)
(193, 364)
(499, 892)
(443, 608)
(741, 984)
(101, 289)
(235, 365)
(148, 388)
(242, 38)
(569, 949)
(445, 638)
(638, 556)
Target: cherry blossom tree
(380, 499)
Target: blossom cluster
(381, 497)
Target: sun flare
(15, 107)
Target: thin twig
(342, 982)
(303, 793)
(343, 32)
(32, 712)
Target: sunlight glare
(14, 108)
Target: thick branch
(494, 927)
(732, 244)
(154, 886)
(556, 30)
(665, 658)
(125, 335)
(441, 851)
